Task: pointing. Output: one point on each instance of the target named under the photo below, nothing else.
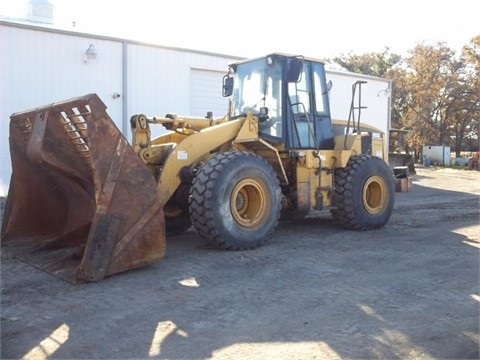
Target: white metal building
(41, 65)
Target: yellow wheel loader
(83, 203)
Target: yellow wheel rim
(248, 202)
(375, 196)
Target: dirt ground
(407, 291)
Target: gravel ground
(407, 291)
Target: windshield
(259, 85)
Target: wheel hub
(374, 195)
(248, 203)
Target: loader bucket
(81, 204)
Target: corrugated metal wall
(206, 93)
(42, 65)
(160, 80)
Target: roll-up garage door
(206, 93)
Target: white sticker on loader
(182, 155)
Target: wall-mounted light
(90, 53)
(386, 92)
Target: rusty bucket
(81, 205)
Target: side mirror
(294, 69)
(329, 87)
(227, 89)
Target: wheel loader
(84, 203)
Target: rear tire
(235, 201)
(364, 193)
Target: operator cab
(289, 94)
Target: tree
(374, 64)
(436, 95)
(468, 118)
(435, 92)
(427, 80)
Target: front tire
(235, 201)
(364, 193)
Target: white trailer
(436, 155)
(372, 102)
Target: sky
(249, 28)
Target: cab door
(309, 122)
